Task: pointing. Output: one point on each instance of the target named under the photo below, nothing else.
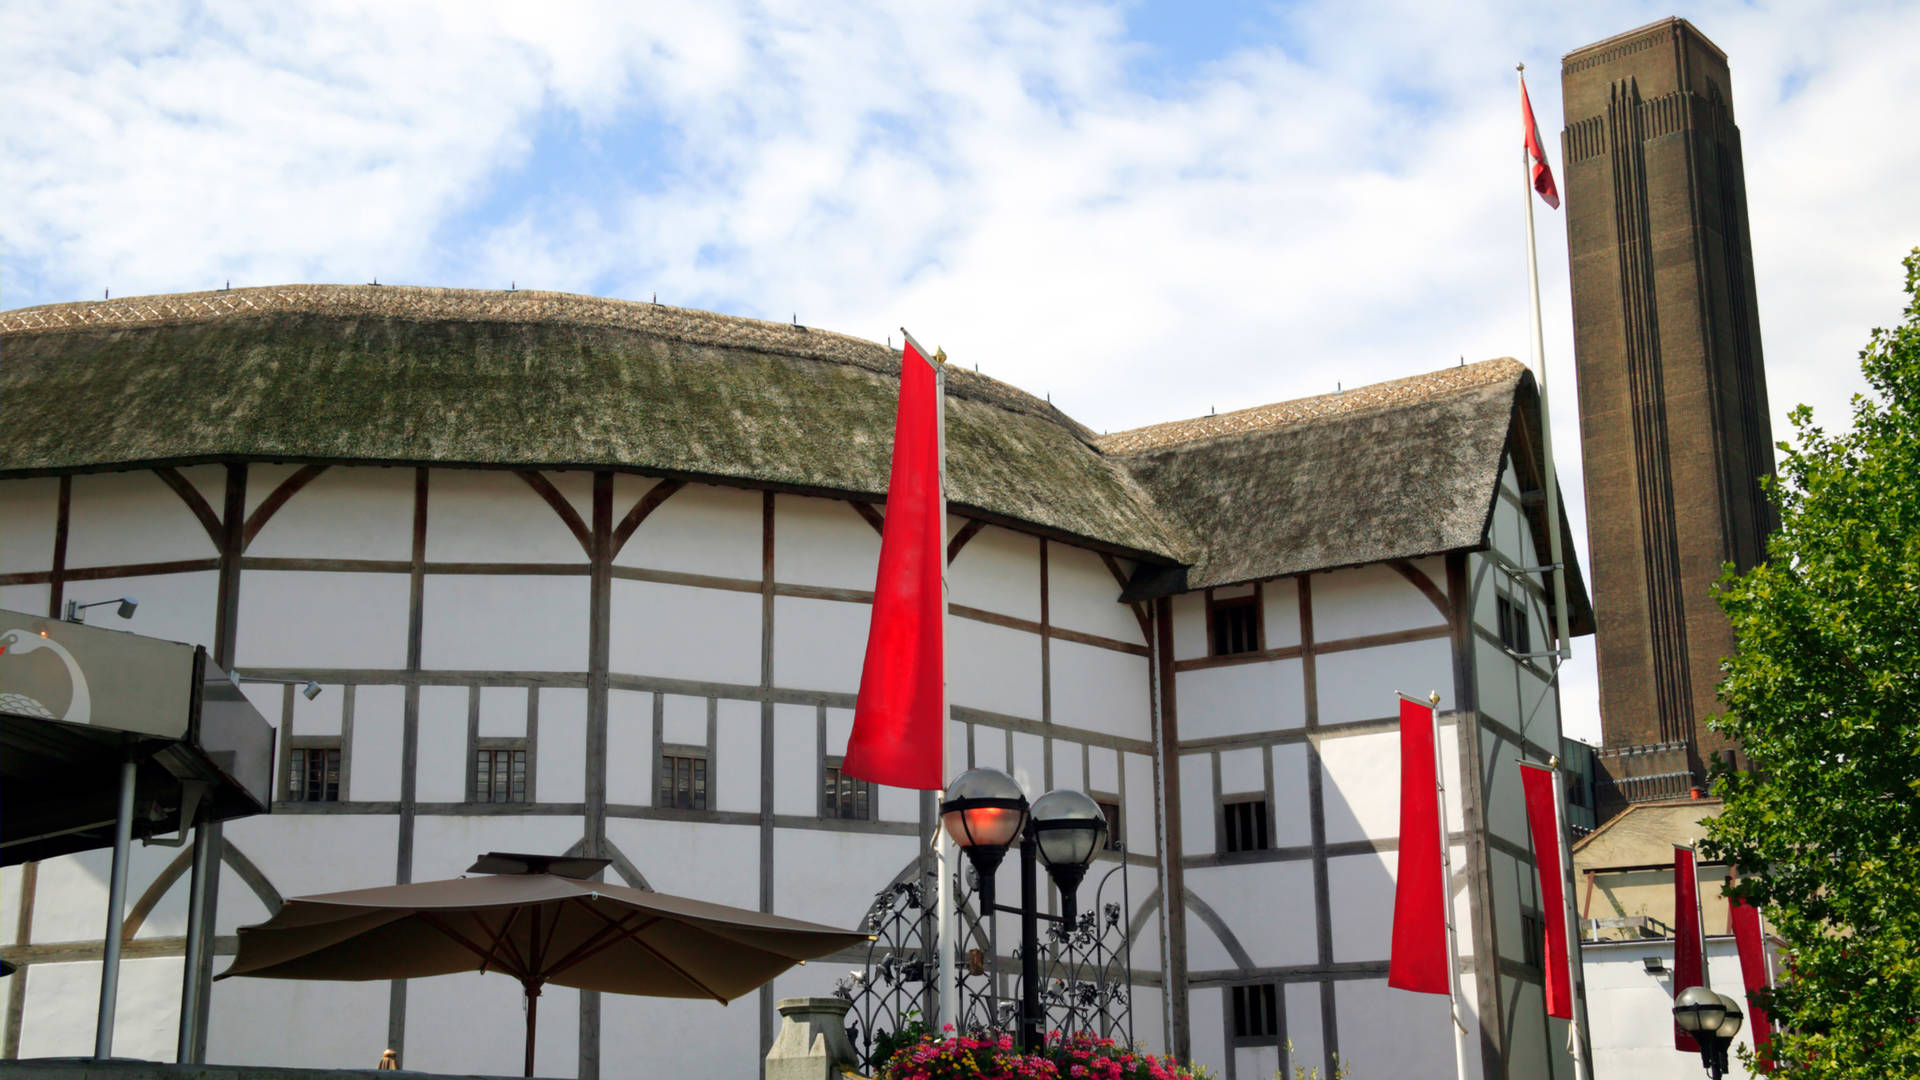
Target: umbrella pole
(533, 1011)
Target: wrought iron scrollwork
(1086, 981)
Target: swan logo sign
(75, 674)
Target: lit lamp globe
(1068, 827)
(983, 812)
(1700, 1011)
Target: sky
(1142, 210)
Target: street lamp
(983, 812)
(1713, 1020)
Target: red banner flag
(1542, 174)
(1543, 820)
(1418, 961)
(898, 719)
(1753, 968)
(1687, 970)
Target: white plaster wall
(63, 999)
(297, 1023)
(630, 747)
(491, 515)
(130, 517)
(1280, 613)
(503, 712)
(1506, 800)
(344, 513)
(822, 542)
(476, 1024)
(320, 715)
(1190, 626)
(737, 732)
(1360, 786)
(561, 753)
(1293, 825)
(1243, 771)
(301, 854)
(1103, 769)
(819, 644)
(502, 623)
(642, 1038)
(1247, 897)
(441, 772)
(1102, 690)
(1303, 1027)
(1360, 901)
(171, 607)
(710, 635)
(445, 845)
(993, 668)
(9, 901)
(718, 863)
(830, 877)
(702, 529)
(998, 570)
(29, 515)
(989, 748)
(1139, 790)
(379, 726)
(71, 897)
(683, 719)
(1256, 1061)
(322, 620)
(1082, 595)
(1359, 684)
(30, 599)
(1068, 771)
(1029, 765)
(1206, 1011)
(1368, 600)
(1422, 1035)
(1629, 1011)
(1241, 699)
(1527, 1020)
(796, 743)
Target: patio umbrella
(536, 918)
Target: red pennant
(1542, 174)
(898, 717)
(1686, 935)
(1753, 968)
(1543, 819)
(1419, 958)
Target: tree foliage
(1823, 694)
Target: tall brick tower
(1673, 401)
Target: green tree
(1823, 693)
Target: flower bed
(991, 1055)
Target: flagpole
(1577, 976)
(947, 987)
(1446, 897)
(1546, 424)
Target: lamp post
(1713, 1020)
(984, 810)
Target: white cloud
(1335, 204)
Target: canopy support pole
(116, 911)
(190, 1018)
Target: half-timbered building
(590, 576)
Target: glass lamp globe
(1068, 828)
(984, 811)
(1698, 1009)
(1730, 1024)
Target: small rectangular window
(1111, 809)
(1245, 824)
(683, 781)
(1256, 1013)
(1533, 939)
(313, 774)
(843, 796)
(500, 774)
(1235, 625)
(1513, 624)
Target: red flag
(1542, 174)
(1419, 958)
(898, 718)
(1753, 967)
(1543, 819)
(1686, 935)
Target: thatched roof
(1397, 470)
(398, 375)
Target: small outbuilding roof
(527, 379)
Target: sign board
(51, 669)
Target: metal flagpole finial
(1519, 67)
(1433, 699)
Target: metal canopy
(77, 701)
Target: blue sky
(1143, 210)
